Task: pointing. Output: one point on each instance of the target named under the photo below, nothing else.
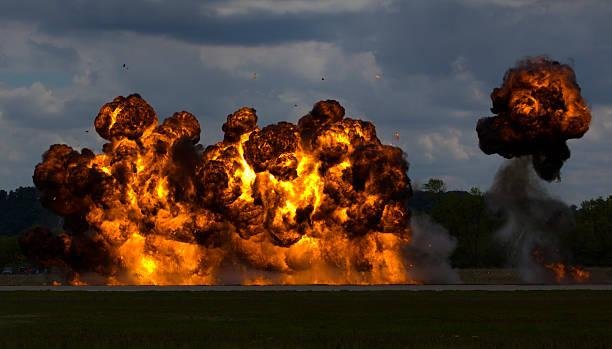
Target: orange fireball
(539, 107)
(323, 201)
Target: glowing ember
(322, 201)
(562, 273)
(565, 273)
(538, 108)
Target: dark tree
(435, 185)
(21, 209)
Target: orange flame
(318, 202)
(539, 107)
(561, 272)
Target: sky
(421, 68)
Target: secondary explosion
(538, 107)
(323, 201)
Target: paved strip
(313, 288)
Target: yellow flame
(113, 116)
(247, 174)
(161, 189)
(148, 264)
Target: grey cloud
(437, 61)
(181, 19)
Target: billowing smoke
(430, 249)
(323, 201)
(538, 107)
(534, 223)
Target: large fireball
(322, 201)
(538, 107)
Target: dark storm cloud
(49, 56)
(423, 38)
(437, 63)
(185, 20)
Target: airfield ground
(599, 276)
(369, 319)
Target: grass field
(541, 319)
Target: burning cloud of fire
(538, 107)
(322, 201)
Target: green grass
(542, 319)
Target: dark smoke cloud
(538, 107)
(535, 220)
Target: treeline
(591, 240)
(464, 214)
(21, 209)
(466, 217)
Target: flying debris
(377, 76)
(396, 135)
(538, 107)
(320, 201)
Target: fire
(561, 272)
(322, 201)
(539, 107)
(579, 274)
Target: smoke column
(534, 223)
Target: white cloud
(444, 145)
(35, 99)
(243, 7)
(601, 124)
(310, 60)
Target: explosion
(534, 223)
(323, 201)
(538, 107)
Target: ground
(492, 276)
(543, 319)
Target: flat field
(289, 319)
(484, 276)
